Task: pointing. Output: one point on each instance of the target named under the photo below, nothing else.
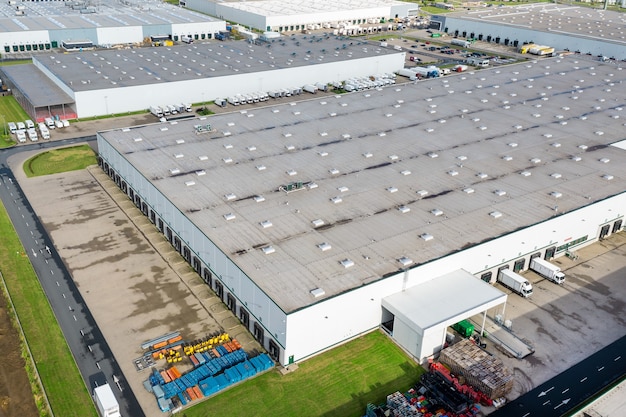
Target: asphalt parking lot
(136, 286)
(567, 323)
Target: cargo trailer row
(515, 282)
(169, 109)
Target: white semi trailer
(547, 270)
(515, 282)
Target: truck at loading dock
(547, 270)
(515, 282)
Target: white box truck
(515, 282)
(105, 401)
(461, 42)
(49, 122)
(547, 270)
(411, 75)
(32, 134)
(21, 135)
(43, 129)
(156, 110)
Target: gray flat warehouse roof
(92, 70)
(382, 168)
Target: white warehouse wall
(24, 37)
(560, 41)
(119, 35)
(124, 99)
(244, 18)
(327, 17)
(198, 28)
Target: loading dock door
(604, 231)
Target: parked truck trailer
(547, 270)
(515, 282)
(461, 42)
(106, 402)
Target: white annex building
(290, 15)
(320, 220)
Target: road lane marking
(584, 379)
(563, 392)
(546, 402)
(599, 369)
(616, 359)
(542, 393)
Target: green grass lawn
(339, 382)
(59, 374)
(60, 160)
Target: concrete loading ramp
(503, 338)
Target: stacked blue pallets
(232, 375)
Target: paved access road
(89, 348)
(566, 391)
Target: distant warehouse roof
(340, 191)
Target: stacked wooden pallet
(480, 370)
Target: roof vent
(227, 160)
(230, 197)
(500, 193)
(495, 214)
(556, 145)
(393, 157)
(432, 155)
(174, 171)
(468, 190)
(178, 141)
(334, 171)
(482, 175)
(405, 172)
(437, 212)
(290, 147)
(556, 175)
(404, 209)
(605, 160)
(318, 222)
(556, 194)
(203, 157)
(311, 185)
(228, 146)
(453, 173)
(317, 292)
(268, 249)
(324, 246)
(190, 183)
(179, 155)
(324, 153)
(229, 216)
(137, 139)
(525, 173)
(252, 148)
(265, 224)
(336, 200)
(405, 261)
(342, 189)
(535, 160)
(547, 135)
(426, 236)
(347, 263)
(422, 193)
(461, 157)
(259, 198)
(200, 172)
(392, 189)
(583, 147)
(507, 157)
(261, 167)
(368, 154)
(607, 177)
(292, 172)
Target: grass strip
(340, 382)
(60, 160)
(59, 374)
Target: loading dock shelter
(418, 317)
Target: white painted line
(89, 347)
(599, 369)
(584, 379)
(74, 317)
(58, 284)
(64, 297)
(526, 415)
(616, 359)
(51, 272)
(82, 333)
(546, 402)
(31, 232)
(563, 392)
(98, 365)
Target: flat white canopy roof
(444, 300)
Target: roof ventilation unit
(404, 209)
(500, 193)
(317, 292)
(422, 193)
(556, 194)
(437, 212)
(265, 224)
(229, 216)
(405, 261)
(324, 246)
(318, 222)
(230, 197)
(495, 214)
(426, 237)
(268, 249)
(347, 263)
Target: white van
(21, 126)
(49, 122)
(12, 127)
(43, 129)
(29, 124)
(21, 135)
(32, 134)
(58, 123)
(66, 123)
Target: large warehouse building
(314, 221)
(290, 15)
(593, 31)
(93, 83)
(30, 26)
